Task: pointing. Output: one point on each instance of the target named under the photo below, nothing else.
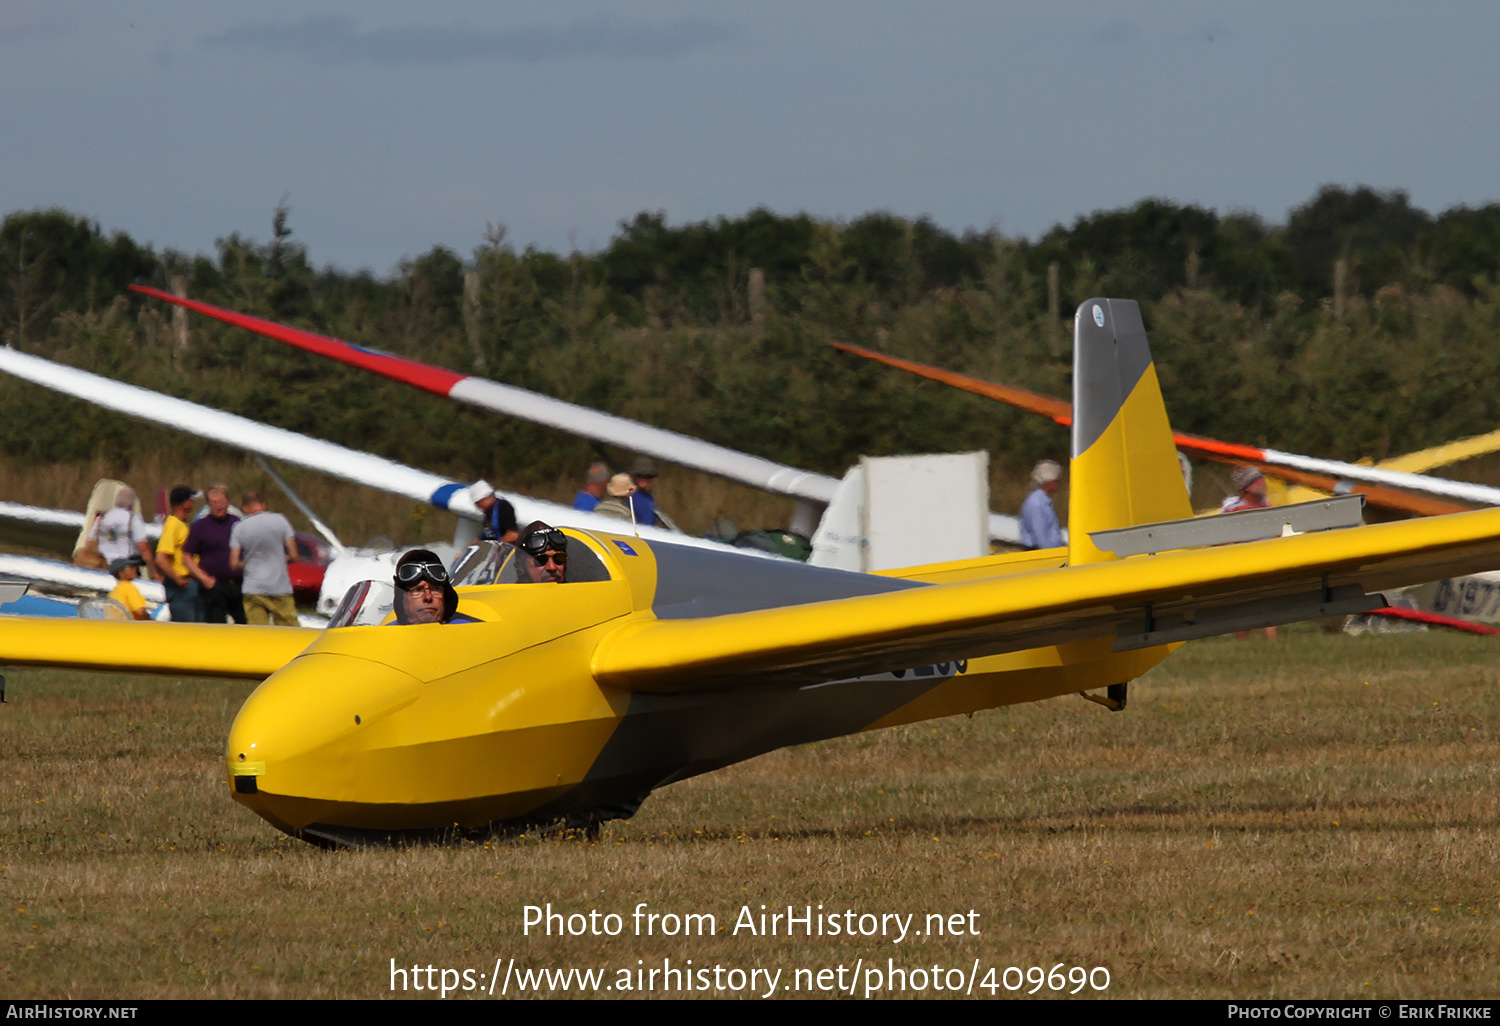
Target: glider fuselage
(376, 730)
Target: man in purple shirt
(208, 545)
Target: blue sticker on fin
(624, 548)
(1098, 315)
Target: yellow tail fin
(1124, 468)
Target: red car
(313, 557)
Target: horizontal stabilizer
(1228, 528)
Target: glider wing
(1121, 604)
(181, 649)
(540, 409)
(313, 453)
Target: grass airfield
(1316, 818)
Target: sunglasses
(538, 545)
(408, 574)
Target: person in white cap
(1039, 526)
(499, 515)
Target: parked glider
(813, 491)
(314, 454)
(39, 527)
(50, 579)
(657, 661)
(1308, 471)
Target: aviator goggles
(539, 544)
(408, 574)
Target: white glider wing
(312, 453)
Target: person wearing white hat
(499, 515)
(1039, 526)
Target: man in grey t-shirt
(262, 544)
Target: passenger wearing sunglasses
(424, 594)
(542, 552)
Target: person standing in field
(260, 546)
(179, 575)
(1039, 526)
(121, 532)
(1250, 493)
(207, 546)
(643, 476)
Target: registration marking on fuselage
(933, 671)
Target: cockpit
(483, 563)
(489, 562)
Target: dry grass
(1316, 818)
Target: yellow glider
(656, 662)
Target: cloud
(341, 41)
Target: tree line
(1361, 326)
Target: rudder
(1124, 463)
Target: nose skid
(297, 738)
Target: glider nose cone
(298, 741)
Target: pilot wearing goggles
(424, 594)
(542, 554)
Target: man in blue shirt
(1039, 526)
(643, 475)
(593, 489)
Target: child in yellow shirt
(126, 570)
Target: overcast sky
(393, 127)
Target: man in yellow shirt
(179, 574)
(126, 570)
